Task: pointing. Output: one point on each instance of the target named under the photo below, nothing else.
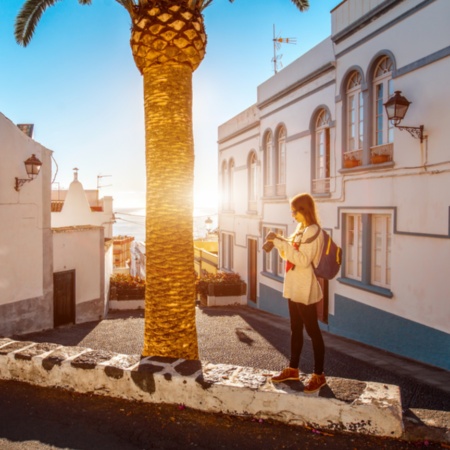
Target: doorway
(252, 269)
(63, 298)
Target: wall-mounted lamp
(32, 166)
(208, 224)
(396, 108)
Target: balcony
(380, 154)
(321, 186)
(352, 159)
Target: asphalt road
(38, 418)
(35, 418)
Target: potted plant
(350, 162)
(378, 158)
(220, 284)
(126, 287)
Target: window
(268, 166)
(227, 251)
(321, 177)
(231, 185)
(355, 120)
(383, 130)
(381, 250)
(281, 162)
(368, 248)
(252, 182)
(224, 186)
(272, 263)
(353, 251)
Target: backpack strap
(313, 238)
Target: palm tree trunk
(168, 41)
(170, 328)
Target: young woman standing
(302, 289)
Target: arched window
(355, 113)
(321, 178)
(231, 184)
(252, 182)
(224, 186)
(281, 162)
(383, 88)
(268, 165)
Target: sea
(131, 222)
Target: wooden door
(63, 298)
(252, 270)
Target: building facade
(26, 246)
(320, 126)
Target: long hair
(305, 204)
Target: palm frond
(28, 18)
(30, 15)
(128, 5)
(302, 5)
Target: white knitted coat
(300, 283)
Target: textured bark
(168, 43)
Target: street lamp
(208, 225)
(396, 108)
(33, 167)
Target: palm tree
(168, 42)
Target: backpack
(330, 259)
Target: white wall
(82, 249)
(26, 282)
(414, 190)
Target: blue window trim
(272, 276)
(366, 287)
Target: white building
(26, 245)
(78, 206)
(320, 126)
(50, 273)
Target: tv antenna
(99, 177)
(277, 41)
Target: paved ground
(248, 337)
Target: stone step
(343, 405)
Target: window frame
(321, 171)
(227, 251)
(273, 265)
(363, 256)
(252, 168)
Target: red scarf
(290, 265)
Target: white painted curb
(374, 409)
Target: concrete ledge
(343, 405)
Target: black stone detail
(168, 376)
(205, 384)
(58, 356)
(143, 377)
(51, 361)
(114, 372)
(162, 359)
(188, 367)
(37, 349)
(13, 347)
(89, 360)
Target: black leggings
(306, 315)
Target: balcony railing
(321, 186)
(381, 153)
(352, 159)
(281, 189)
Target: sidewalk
(247, 337)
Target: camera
(268, 246)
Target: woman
(302, 289)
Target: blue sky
(78, 84)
